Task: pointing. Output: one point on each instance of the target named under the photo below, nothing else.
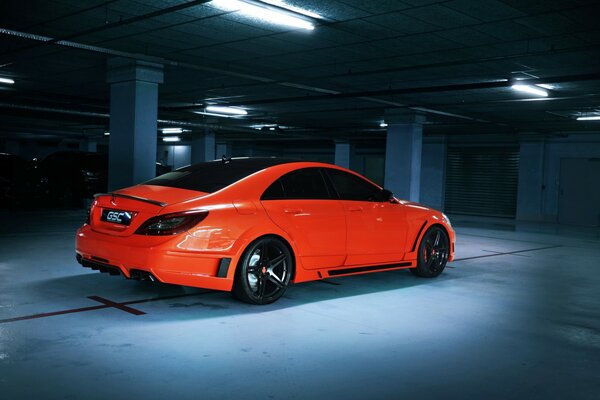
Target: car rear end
(143, 238)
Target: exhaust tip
(141, 275)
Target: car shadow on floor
(163, 302)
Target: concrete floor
(522, 325)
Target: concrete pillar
(133, 113)
(433, 172)
(403, 156)
(531, 181)
(203, 146)
(343, 152)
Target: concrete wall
(575, 146)
(433, 172)
(539, 173)
(176, 156)
(531, 188)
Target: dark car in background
(68, 177)
(17, 180)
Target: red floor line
(51, 314)
(92, 308)
(123, 306)
(119, 306)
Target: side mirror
(384, 196)
(387, 195)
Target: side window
(307, 183)
(274, 192)
(351, 187)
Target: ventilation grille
(482, 181)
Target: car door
(375, 228)
(301, 204)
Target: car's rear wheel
(433, 253)
(264, 271)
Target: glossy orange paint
(324, 235)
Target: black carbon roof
(212, 176)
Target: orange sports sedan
(253, 225)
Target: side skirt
(372, 268)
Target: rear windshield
(212, 176)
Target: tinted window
(212, 176)
(307, 183)
(351, 187)
(274, 192)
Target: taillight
(171, 224)
(88, 218)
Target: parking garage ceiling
(454, 61)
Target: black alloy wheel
(264, 271)
(433, 253)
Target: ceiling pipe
(187, 124)
(172, 63)
(122, 22)
(501, 83)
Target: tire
(433, 253)
(264, 271)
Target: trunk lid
(121, 212)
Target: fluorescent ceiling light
(546, 86)
(383, 125)
(107, 133)
(172, 130)
(215, 114)
(226, 110)
(172, 139)
(589, 118)
(530, 89)
(7, 80)
(260, 10)
(261, 126)
(290, 7)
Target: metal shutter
(482, 181)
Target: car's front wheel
(433, 253)
(264, 271)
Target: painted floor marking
(105, 304)
(123, 305)
(120, 306)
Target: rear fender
(258, 231)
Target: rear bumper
(140, 258)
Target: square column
(343, 151)
(433, 172)
(203, 146)
(403, 156)
(531, 181)
(133, 113)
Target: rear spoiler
(126, 196)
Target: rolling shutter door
(482, 181)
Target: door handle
(292, 210)
(355, 209)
